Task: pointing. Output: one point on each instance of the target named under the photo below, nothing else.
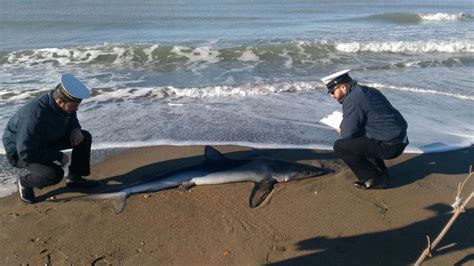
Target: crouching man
(38, 131)
(371, 129)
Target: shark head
(285, 171)
(280, 171)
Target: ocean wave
(423, 91)
(444, 16)
(416, 18)
(166, 57)
(163, 56)
(170, 92)
(463, 46)
(120, 94)
(123, 54)
(425, 63)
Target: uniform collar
(349, 89)
(55, 106)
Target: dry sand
(322, 220)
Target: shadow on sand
(453, 162)
(449, 163)
(140, 174)
(401, 246)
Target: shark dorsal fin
(214, 155)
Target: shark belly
(227, 177)
(166, 182)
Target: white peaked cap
(326, 80)
(74, 87)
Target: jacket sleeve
(352, 120)
(28, 142)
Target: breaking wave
(120, 94)
(164, 56)
(465, 46)
(416, 18)
(102, 95)
(444, 16)
(423, 91)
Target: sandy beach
(322, 220)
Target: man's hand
(76, 137)
(338, 130)
(64, 160)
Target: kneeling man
(38, 131)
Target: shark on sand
(217, 169)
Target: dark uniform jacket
(34, 130)
(366, 112)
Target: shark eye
(307, 172)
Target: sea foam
(466, 46)
(423, 91)
(110, 94)
(441, 16)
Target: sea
(239, 72)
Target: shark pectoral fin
(186, 185)
(118, 199)
(260, 192)
(119, 202)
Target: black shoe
(27, 195)
(80, 182)
(372, 183)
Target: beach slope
(322, 220)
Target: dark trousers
(46, 174)
(365, 156)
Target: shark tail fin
(118, 199)
(186, 185)
(260, 192)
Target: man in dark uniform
(37, 132)
(371, 129)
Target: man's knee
(339, 148)
(53, 176)
(392, 151)
(87, 136)
(46, 177)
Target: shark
(216, 168)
